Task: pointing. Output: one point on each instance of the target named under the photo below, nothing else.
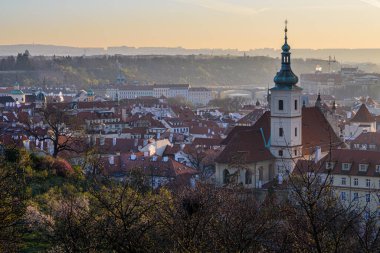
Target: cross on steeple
(286, 31)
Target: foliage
(44, 210)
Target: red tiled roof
(121, 145)
(251, 117)
(363, 115)
(170, 168)
(208, 142)
(339, 156)
(316, 131)
(367, 138)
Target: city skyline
(239, 24)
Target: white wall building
(194, 95)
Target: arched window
(226, 177)
(271, 172)
(261, 173)
(248, 177)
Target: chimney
(102, 140)
(280, 179)
(182, 146)
(124, 114)
(114, 141)
(318, 154)
(111, 160)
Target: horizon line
(181, 47)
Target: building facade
(196, 96)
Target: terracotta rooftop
(363, 115)
(316, 131)
(367, 138)
(339, 156)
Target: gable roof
(367, 138)
(317, 131)
(6, 99)
(363, 115)
(247, 143)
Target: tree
(314, 217)
(62, 131)
(12, 205)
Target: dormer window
(346, 166)
(378, 168)
(363, 167)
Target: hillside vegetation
(103, 70)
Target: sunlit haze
(241, 24)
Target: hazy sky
(241, 24)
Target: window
(343, 181)
(281, 131)
(368, 197)
(368, 182)
(346, 166)
(295, 131)
(280, 105)
(356, 182)
(295, 152)
(331, 180)
(226, 177)
(378, 168)
(280, 153)
(248, 177)
(363, 167)
(356, 196)
(296, 105)
(343, 196)
(329, 165)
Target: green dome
(285, 47)
(285, 77)
(90, 92)
(40, 96)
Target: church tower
(286, 115)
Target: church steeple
(285, 78)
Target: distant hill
(195, 70)
(342, 55)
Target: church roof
(252, 142)
(363, 115)
(248, 144)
